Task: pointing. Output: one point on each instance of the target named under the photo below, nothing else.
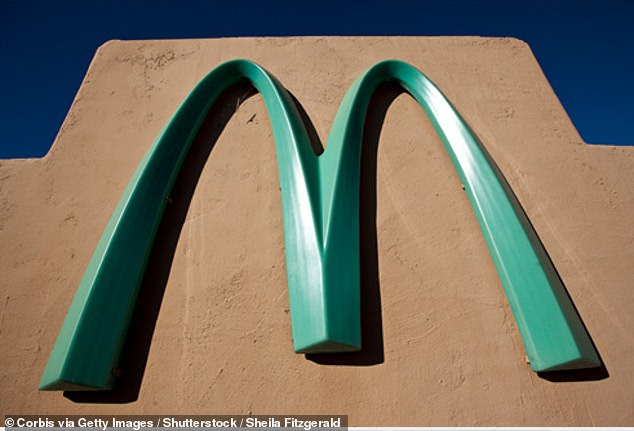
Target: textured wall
(445, 349)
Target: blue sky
(586, 48)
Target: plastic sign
(320, 204)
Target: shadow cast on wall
(372, 352)
(139, 337)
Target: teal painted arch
(320, 205)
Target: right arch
(553, 334)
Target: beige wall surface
(443, 348)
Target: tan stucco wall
(452, 354)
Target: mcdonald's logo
(320, 204)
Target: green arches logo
(320, 204)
